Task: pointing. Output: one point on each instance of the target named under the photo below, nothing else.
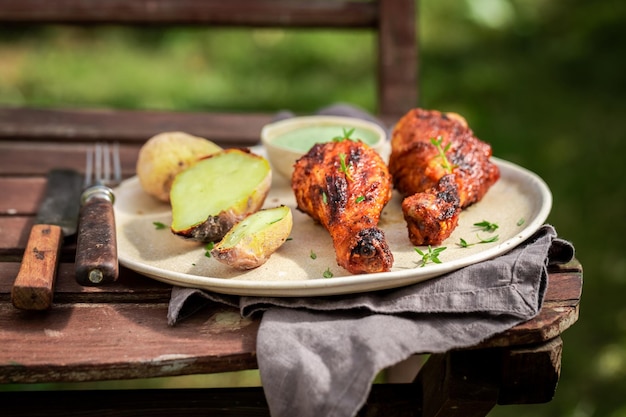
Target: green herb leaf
(464, 244)
(445, 164)
(521, 221)
(487, 226)
(345, 135)
(344, 166)
(327, 273)
(360, 198)
(207, 249)
(488, 240)
(324, 197)
(432, 255)
(159, 225)
(313, 255)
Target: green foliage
(187, 68)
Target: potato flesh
(211, 196)
(251, 242)
(252, 225)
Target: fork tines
(98, 164)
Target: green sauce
(303, 139)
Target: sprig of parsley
(438, 143)
(484, 226)
(464, 244)
(487, 226)
(345, 135)
(345, 168)
(431, 255)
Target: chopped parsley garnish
(207, 249)
(431, 255)
(159, 225)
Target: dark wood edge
(388, 400)
(133, 126)
(398, 57)
(127, 126)
(475, 381)
(272, 13)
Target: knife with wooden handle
(96, 245)
(56, 219)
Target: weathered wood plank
(134, 126)
(459, 384)
(315, 13)
(132, 287)
(13, 237)
(21, 196)
(14, 231)
(88, 342)
(530, 374)
(31, 158)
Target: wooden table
(121, 332)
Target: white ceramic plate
(519, 203)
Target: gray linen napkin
(318, 356)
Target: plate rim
(346, 284)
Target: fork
(96, 244)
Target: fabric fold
(320, 355)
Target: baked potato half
(251, 242)
(214, 194)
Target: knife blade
(56, 219)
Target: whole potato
(165, 155)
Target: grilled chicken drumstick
(438, 187)
(345, 185)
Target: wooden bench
(120, 331)
(393, 22)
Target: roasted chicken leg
(344, 185)
(429, 149)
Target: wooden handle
(34, 285)
(96, 245)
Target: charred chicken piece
(418, 165)
(344, 185)
(432, 215)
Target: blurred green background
(543, 81)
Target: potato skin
(254, 249)
(164, 155)
(215, 228)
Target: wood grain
(34, 285)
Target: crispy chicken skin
(417, 167)
(432, 215)
(344, 186)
